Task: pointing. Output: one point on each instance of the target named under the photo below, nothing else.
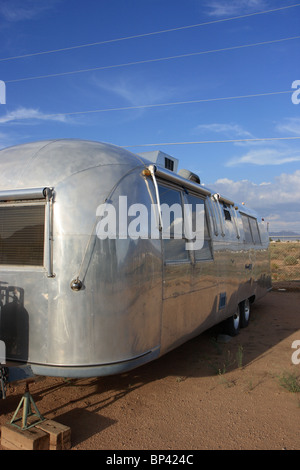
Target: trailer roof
(47, 162)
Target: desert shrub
(290, 382)
(290, 260)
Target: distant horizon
(284, 233)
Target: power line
(147, 61)
(137, 36)
(157, 105)
(160, 144)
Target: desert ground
(209, 393)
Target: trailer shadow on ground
(273, 319)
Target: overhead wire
(162, 59)
(147, 61)
(174, 103)
(137, 36)
(160, 144)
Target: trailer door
(188, 288)
(177, 261)
(249, 264)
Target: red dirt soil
(204, 395)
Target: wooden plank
(33, 438)
(60, 435)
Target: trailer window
(251, 230)
(22, 234)
(246, 227)
(226, 210)
(254, 231)
(205, 252)
(172, 218)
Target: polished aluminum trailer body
(90, 307)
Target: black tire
(244, 313)
(232, 324)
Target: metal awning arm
(152, 169)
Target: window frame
(254, 220)
(20, 205)
(170, 186)
(183, 193)
(208, 227)
(34, 197)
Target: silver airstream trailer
(75, 303)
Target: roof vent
(188, 175)
(169, 164)
(161, 159)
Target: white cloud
(235, 7)
(277, 201)
(284, 190)
(24, 114)
(231, 130)
(5, 140)
(290, 125)
(266, 156)
(19, 10)
(135, 93)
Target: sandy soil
(204, 395)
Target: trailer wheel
(244, 313)
(233, 323)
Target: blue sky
(110, 79)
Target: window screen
(22, 234)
